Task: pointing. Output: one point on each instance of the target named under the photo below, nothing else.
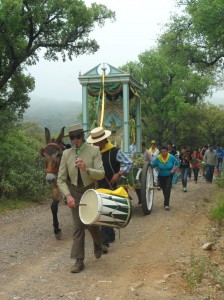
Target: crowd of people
(97, 163)
(169, 165)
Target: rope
(103, 101)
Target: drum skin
(104, 209)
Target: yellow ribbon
(151, 150)
(103, 101)
(107, 147)
(162, 159)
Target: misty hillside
(53, 114)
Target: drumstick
(80, 204)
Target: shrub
(217, 213)
(21, 167)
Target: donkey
(53, 153)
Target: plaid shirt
(127, 163)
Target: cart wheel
(147, 188)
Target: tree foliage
(180, 73)
(21, 166)
(60, 27)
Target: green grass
(10, 205)
(217, 212)
(202, 268)
(196, 272)
(219, 180)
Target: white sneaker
(185, 190)
(167, 208)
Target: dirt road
(149, 261)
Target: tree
(213, 120)
(26, 26)
(21, 166)
(200, 27)
(170, 87)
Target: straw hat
(98, 134)
(153, 142)
(75, 129)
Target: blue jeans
(219, 167)
(184, 173)
(195, 170)
(209, 173)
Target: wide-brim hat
(75, 129)
(98, 134)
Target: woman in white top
(154, 153)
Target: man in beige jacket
(80, 167)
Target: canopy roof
(112, 84)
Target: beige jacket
(92, 159)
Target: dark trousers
(184, 173)
(78, 250)
(195, 170)
(209, 173)
(166, 184)
(108, 234)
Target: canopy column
(138, 126)
(85, 110)
(126, 116)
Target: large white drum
(104, 209)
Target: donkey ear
(61, 135)
(47, 135)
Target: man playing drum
(112, 158)
(82, 165)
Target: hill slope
(53, 114)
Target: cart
(140, 179)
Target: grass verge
(10, 205)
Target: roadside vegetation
(207, 268)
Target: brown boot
(78, 266)
(98, 250)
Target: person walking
(166, 164)
(80, 167)
(147, 157)
(211, 161)
(220, 154)
(185, 160)
(203, 150)
(154, 153)
(195, 158)
(113, 158)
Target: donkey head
(52, 153)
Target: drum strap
(109, 183)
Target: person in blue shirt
(220, 153)
(166, 164)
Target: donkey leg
(54, 210)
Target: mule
(53, 153)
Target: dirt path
(147, 262)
